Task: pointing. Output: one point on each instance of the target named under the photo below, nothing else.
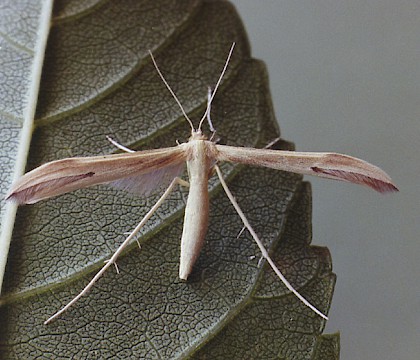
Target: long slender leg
(118, 145)
(209, 94)
(126, 149)
(270, 144)
(114, 257)
(262, 248)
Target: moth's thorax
(199, 147)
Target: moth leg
(268, 146)
(240, 232)
(117, 270)
(112, 260)
(118, 145)
(137, 240)
(209, 98)
(261, 246)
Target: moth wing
(62, 176)
(328, 165)
(146, 183)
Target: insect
(137, 170)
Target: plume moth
(144, 170)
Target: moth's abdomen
(197, 209)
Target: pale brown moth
(142, 170)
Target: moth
(138, 170)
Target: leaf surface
(98, 80)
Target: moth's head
(197, 135)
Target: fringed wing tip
(383, 186)
(17, 197)
(30, 192)
(22, 197)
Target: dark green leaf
(98, 80)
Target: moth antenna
(217, 85)
(172, 92)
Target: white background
(345, 77)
